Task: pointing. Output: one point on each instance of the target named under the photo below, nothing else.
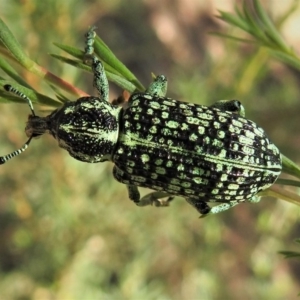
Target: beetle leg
(100, 81)
(234, 106)
(89, 41)
(204, 209)
(201, 206)
(133, 193)
(155, 198)
(221, 207)
(158, 87)
(254, 199)
(227, 205)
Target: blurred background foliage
(68, 230)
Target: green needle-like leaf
(255, 21)
(10, 71)
(235, 38)
(110, 73)
(105, 54)
(269, 27)
(255, 27)
(111, 64)
(288, 182)
(289, 167)
(9, 41)
(290, 254)
(70, 50)
(31, 94)
(286, 58)
(280, 193)
(233, 20)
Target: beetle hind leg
(201, 206)
(204, 209)
(221, 207)
(133, 193)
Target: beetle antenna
(11, 89)
(5, 158)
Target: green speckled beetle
(204, 154)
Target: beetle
(206, 154)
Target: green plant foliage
(255, 21)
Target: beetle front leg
(89, 41)
(100, 81)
